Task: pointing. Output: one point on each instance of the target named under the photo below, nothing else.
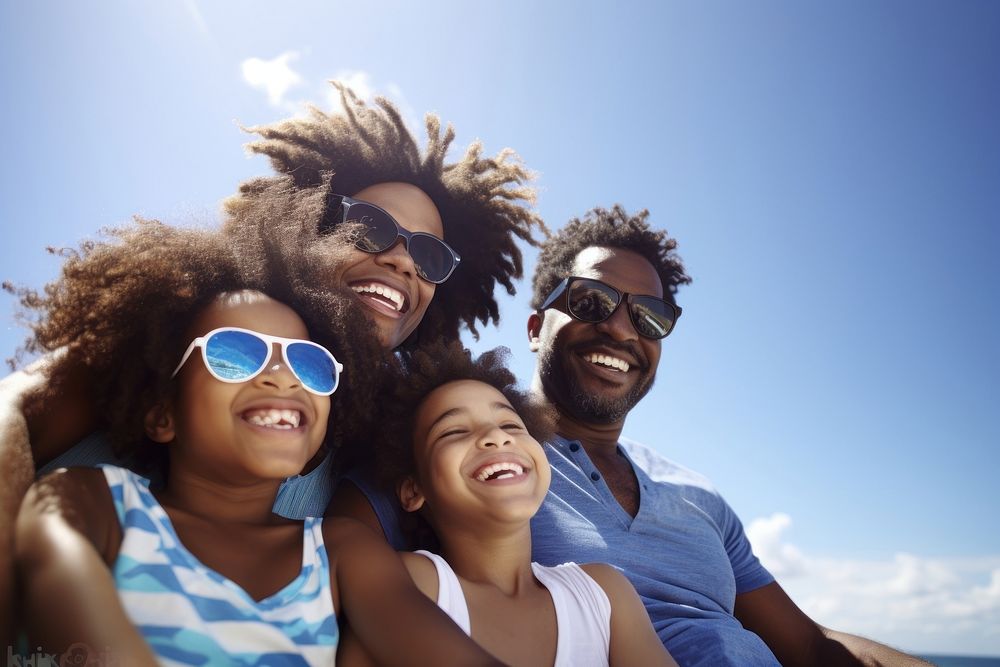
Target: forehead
(466, 395)
(249, 310)
(623, 269)
(408, 204)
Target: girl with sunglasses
(458, 445)
(219, 393)
(415, 216)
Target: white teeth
(384, 291)
(605, 360)
(274, 418)
(506, 470)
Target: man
(604, 299)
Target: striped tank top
(192, 615)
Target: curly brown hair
(414, 376)
(483, 201)
(122, 306)
(424, 370)
(613, 228)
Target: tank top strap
(450, 596)
(583, 614)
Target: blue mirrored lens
(234, 355)
(313, 366)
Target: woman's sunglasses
(590, 300)
(234, 355)
(433, 258)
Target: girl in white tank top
(456, 439)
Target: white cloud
(275, 77)
(195, 13)
(780, 558)
(945, 605)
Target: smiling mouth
(382, 295)
(607, 361)
(274, 418)
(497, 471)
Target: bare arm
(30, 434)
(397, 623)
(795, 639)
(633, 640)
(66, 535)
(348, 501)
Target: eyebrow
(454, 411)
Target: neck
(491, 557)
(595, 438)
(223, 502)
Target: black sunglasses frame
(564, 288)
(336, 213)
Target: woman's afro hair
(483, 201)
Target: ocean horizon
(949, 660)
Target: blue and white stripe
(192, 615)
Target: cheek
(427, 291)
(352, 261)
(323, 416)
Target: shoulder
(661, 469)
(614, 583)
(423, 571)
(75, 497)
(67, 489)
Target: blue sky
(830, 171)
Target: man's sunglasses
(433, 258)
(234, 355)
(590, 300)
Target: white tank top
(583, 611)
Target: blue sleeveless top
(192, 615)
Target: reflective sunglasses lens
(652, 317)
(313, 366)
(235, 355)
(381, 230)
(433, 259)
(591, 301)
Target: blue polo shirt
(685, 551)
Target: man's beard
(570, 399)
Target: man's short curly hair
(122, 307)
(483, 201)
(423, 371)
(605, 228)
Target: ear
(410, 496)
(159, 422)
(534, 327)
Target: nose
(277, 374)
(397, 258)
(619, 325)
(494, 436)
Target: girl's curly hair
(413, 377)
(483, 201)
(122, 306)
(418, 374)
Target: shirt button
(574, 447)
(594, 476)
